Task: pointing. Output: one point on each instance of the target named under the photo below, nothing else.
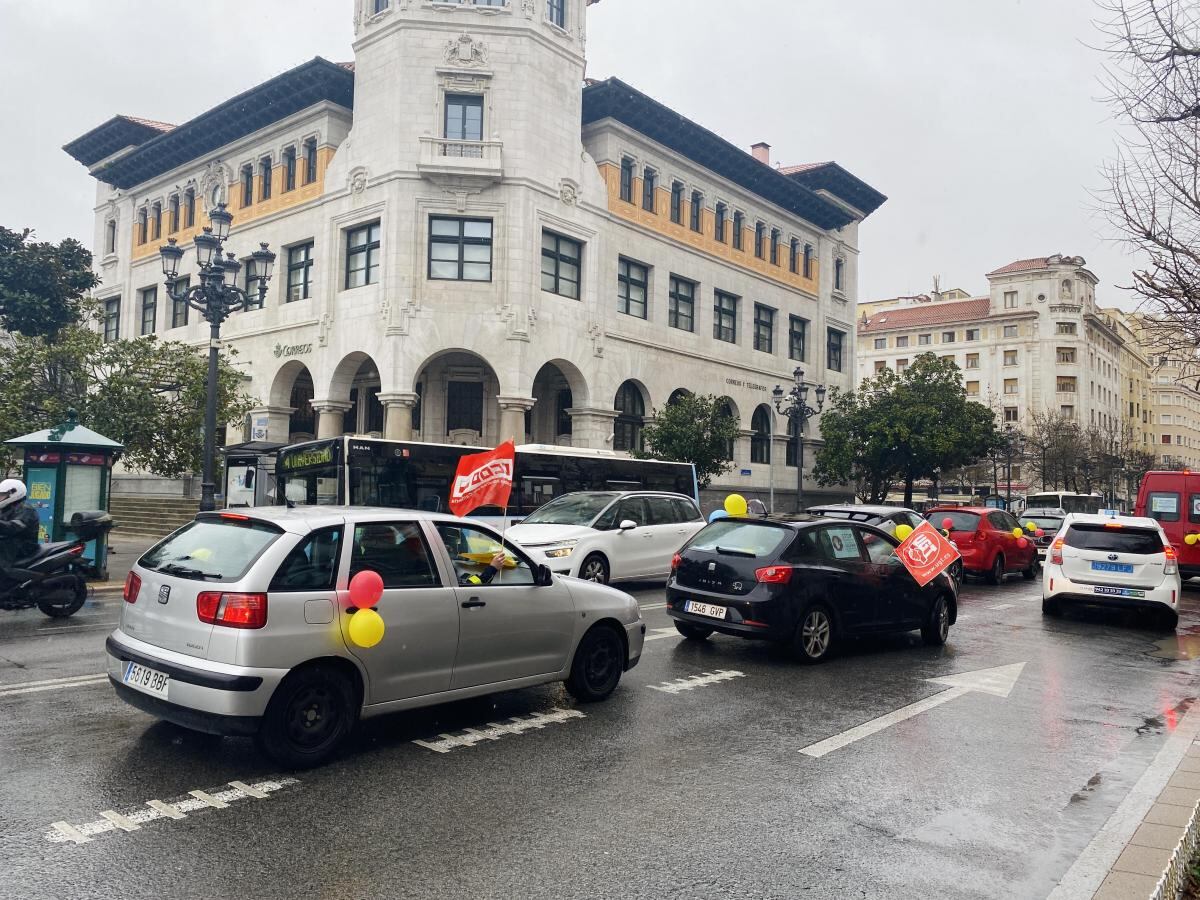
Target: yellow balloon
(1030, 526)
(904, 532)
(1191, 539)
(735, 505)
(366, 628)
(201, 553)
(1017, 532)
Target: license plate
(147, 680)
(705, 609)
(1121, 592)
(1124, 568)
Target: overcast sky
(979, 120)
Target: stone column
(512, 417)
(277, 421)
(330, 417)
(592, 428)
(398, 409)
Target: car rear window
(216, 549)
(742, 538)
(1046, 523)
(1164, 506)
(1140, 541)
(962, 521)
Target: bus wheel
(595, 568)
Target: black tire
(66, 599)
(937, 629)
(595, 568)
(310, 716)
(1033, 571)
(693, 632)
(813, 641)
(1051, 607)
(995, 574)
(598, 664)
(1167, 620)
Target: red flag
(483, 479)
(925, 553)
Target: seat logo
(164, 593)
(712, 567)
(1112, 557)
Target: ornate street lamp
(215, 298)
(1013, 440)
(798, 411)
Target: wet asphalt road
(697, 793)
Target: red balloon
(365, 589)
(948, 523)
(1039, 533)
(1023, 543)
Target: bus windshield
(309, 474)
(573, 509)
(1066, 501)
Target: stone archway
(289, 417)
(559, 389)
(762, 427)
(352, 404)
(457, 402)
(631, 402)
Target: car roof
(1097, 519)
(301, 519)
(672, 494)
(978, 510)
(854, 508)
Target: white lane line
(497, 730)
(999, 606)
(657, 634)
(120, 821)
(154, 810)
(249, 791)
(692, 682)
(654, 606)
(27, 684)
(87, 681)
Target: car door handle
(473, 603)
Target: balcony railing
(478, 159)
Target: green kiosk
(67, 470)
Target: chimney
(762, 152)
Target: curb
(1174, 878)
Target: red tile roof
(1023, 265)
(149, 123)
(806, 167)
(928, 314)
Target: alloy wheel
(815, 634)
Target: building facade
(475, 244)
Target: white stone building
(1037, 343)
(475, 245)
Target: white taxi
(1113, 561)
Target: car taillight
(232, 610)
(773, 575)
(77, 550)
(133, 586)
(1056, 556)
(675, 561)
(1171, 567)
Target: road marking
(497, 730)
(692, 682)
(35, 687)
(657, 634)
(998, 681)
(1001, 606)
(654, 606)
(135, 819)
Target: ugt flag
(483, 479)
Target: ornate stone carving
(530, 9)
(466, 51)
(596, 333)
(358, 180)
(214, 183)
(568, 192)
(324, 327)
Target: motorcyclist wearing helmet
(18, 525)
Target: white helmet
(11, 491)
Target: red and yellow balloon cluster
(366, 626)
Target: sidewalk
(1143, 850)
(123, 552)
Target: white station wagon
(238, 624)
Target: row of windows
(266, 173)
(556, 10)
(767, 244)
(925, 339)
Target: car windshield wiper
(185, 572)
(730, 551)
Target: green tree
(694, 429)
(42, 285)
(147, 394)
(903, 427)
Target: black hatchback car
(889, 518)
(807, 582)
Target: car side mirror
(628, 525)
(544, 577)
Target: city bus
(355, 471)
(1066, 501)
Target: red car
(985, 538)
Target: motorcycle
(54, 578)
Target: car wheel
(814, 635)
(599, 661)
(311, 714)
(1051, 607)
(65, 600)
(693, 632)
(996, 573)
(1167, 620)
(595, 568)
(1033, 571)
(937, 629)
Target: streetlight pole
(215, 297)
(798, 411)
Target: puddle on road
(1182, 645)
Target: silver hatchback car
(239, 624)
